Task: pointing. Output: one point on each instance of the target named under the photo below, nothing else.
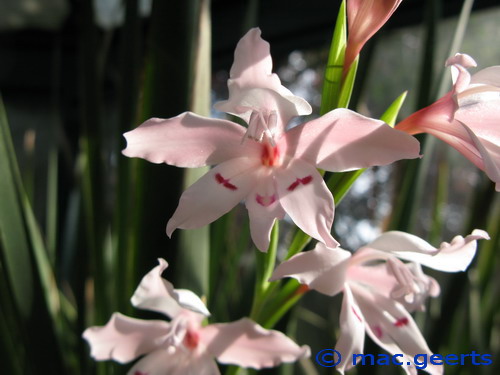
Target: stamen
(176, 333)
(258, 126)
(224, 182)
(299, 181)
(406, 286)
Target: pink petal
(391, 327)
(157, 294)
(253, 86)
(179, 362)
(452, 257)
(434, 119)
(188, 140)
(490, 154)
(343, 140)
(459, 73)
(263, 209)
(461, 59)
(397, 242)
(487, 76)
(247, 344)
(304, 196)
(322, 269)
(123, 339)
(214, 194)
(352, 331)
(377, 275)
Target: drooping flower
(364, 19)
(184, 346)
(380, 290)
(272, 169)
(467, 117)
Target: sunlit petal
(322, 269)
(123, 339)
(247, 344)
(343, 140)
(214, 194)
(188, 140)
(157, 294)
(304, 196)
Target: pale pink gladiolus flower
(364, 19)
(184, 346)
(467, 117)
(273, 170)
(380, 290)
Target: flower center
(270, 155)
(191, 339)
(407, 286)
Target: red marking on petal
(191, 339)
(219, 178)
(357, 316)
(306, 180)
(377, 331)
(293, 186)
(140, 373)
(298, 181)
(265, 200)
(401, 322)
(224, 182)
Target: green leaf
(348, 85)
(333, 72)
(390, 115)
(14, 240)
(264, 269)
(28, 272)
(194, 256)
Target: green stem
(265, 267)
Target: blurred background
(81, 224)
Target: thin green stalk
(264, 269)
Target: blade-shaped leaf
(335, 65)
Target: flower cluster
(274, 170)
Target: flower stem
(264, 269)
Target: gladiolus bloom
(380, 290)
(184, 346)
(467, 117)
(272, 169)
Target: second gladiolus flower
(380, 290)
(467, 117)
(185, 346)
